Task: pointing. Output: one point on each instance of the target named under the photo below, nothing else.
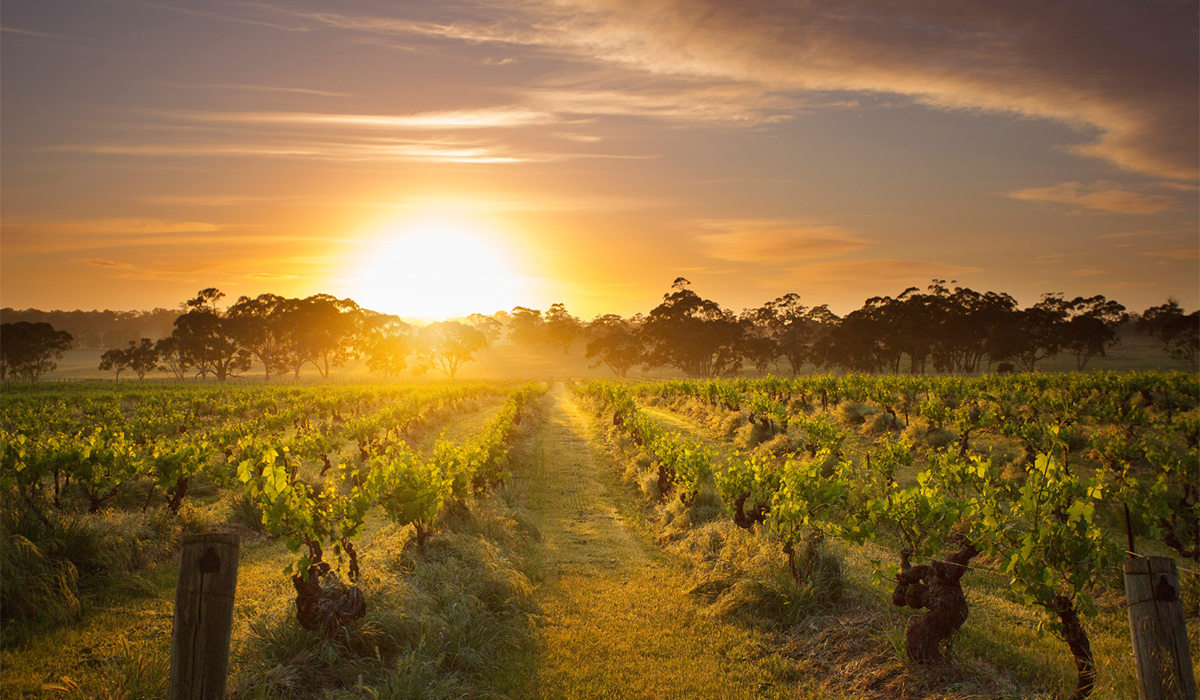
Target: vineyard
(101, 482)
(850, 536)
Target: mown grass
(617, 621)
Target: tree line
(941, 329)
(100, 329)
(286, 334)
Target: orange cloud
(101, 262)
(1131, 234)
(492, 117)
(876, 273)
(775, 241)
(93, 227)
(1099, 197)
(1124, 74)
(377, 149)
(1180, 254)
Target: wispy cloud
(27, 236)
(876, 273)
(1131, 234)
(1125, 75)
(774, 241)
(1128, 286)
(101, 262)
(255, 88)
(1101, 196)
(431, 151)
(1059, 257)
(486, 118)
(227, 200)
(676, 101)
(235, 18)
(1087, 272)
(1178, 254)
(268, 276)
(104, 227)
(27, 32)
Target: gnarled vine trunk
(936, 588)
(323, 602)
(748, 519)
(1077, 639)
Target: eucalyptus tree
(561, 328)
(1092, 327)
(321, 330)
(526, 326)
(615, 342)
(205, 341)
(1179, 332)
(1030, 335)
(29, 350)
(141, 357)
(257, 325)
(445, 346)
(175, 360)
(692, 333)
(386, 343)
(490, 326)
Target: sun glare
(436, 270)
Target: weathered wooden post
(1156, 625)
(208, 567)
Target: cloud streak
(488, 118)
(255, 88)
(1103, 197)
(414, 151)
(1123, 74)
(876, 273)
(775, 241)
(101, 262)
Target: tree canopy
(29, 350)
(445, 346)
(693, 334)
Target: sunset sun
(436, 269)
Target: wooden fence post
(1156, 625)
(203, 621)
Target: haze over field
(431, 159)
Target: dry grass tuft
(858, 651)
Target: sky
(438, 158)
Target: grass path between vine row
(616, 620)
